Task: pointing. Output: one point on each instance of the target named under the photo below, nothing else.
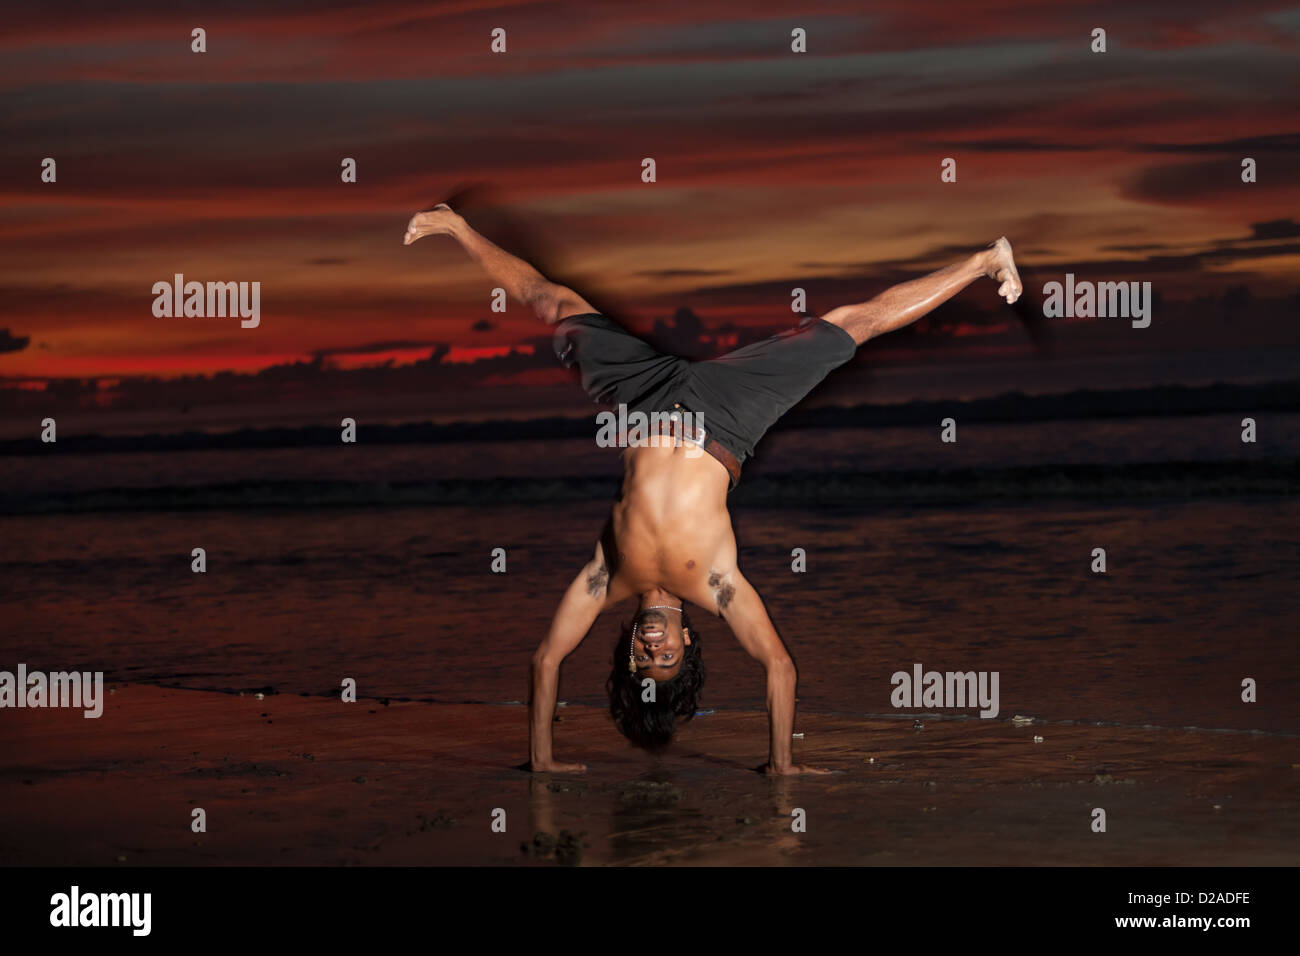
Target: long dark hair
(651, 725)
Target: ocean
(374, 562)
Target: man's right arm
(586, 597)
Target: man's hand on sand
(792, 770)
(1001, 267)
(438, 221)
(555, 766)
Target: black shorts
(736, 397)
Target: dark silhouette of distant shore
(1160, 400)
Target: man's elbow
(782, 667)
(544, 661)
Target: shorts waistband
(712, 446)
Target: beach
(323, 565)
(291, 779)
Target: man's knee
(857, 320)
(554, 302)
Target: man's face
(660, 644)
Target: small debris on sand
(558, 787)
(565, 849)
(439, 822)
(649, 792)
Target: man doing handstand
(669, 539)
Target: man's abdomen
(671, 520)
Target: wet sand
(308, 780)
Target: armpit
(598, 581)
(722, 588)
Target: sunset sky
(775, 169)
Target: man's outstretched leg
(550, 300)
(906, 302)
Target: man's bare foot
(791, 770)
(1002, 267)
(438, 221)
(555, 766)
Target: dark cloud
(315, 378)
(367, 348)
(1202, 181)
(1240, 147)
(1275, 229)
(1185, 182)
(13, 343)
(1137, 247)
(1022, 146)
(682, 273)
(859, 281)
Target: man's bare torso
(670, 528)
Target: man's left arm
(745, 614)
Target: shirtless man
(669, 539)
